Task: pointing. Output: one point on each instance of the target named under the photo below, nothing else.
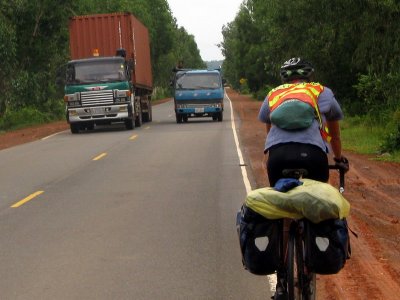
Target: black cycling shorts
(297, 156)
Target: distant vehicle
(109, 78)
(198, 93)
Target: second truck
(109, 77)
(198, 93)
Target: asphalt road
(117, 214)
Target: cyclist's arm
(268, 127)
(336, 143)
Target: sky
(204, 20)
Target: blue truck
(198, 93)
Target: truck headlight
(122, 95)
(72, 99)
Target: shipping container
(101, 35)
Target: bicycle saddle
(294, 173)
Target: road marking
(100, 156)
(29, 198)
(147, 127)
(133, 137)
(51, 135)
(271, 278)
(242, 165)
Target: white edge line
(271, 278)
(51, 135)
(246, 180)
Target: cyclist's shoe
(280, 294)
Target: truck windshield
(196, 81)
(86, 71)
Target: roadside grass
(361, 137)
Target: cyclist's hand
(342, 163)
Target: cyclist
(305, 147)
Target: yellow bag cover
(313, 200)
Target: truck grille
(197, 105)
(199, 102)
(93, 98)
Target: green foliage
(391, 142)
(161, 93)
(353, 45)
(24, 117)
(34, 44)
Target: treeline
(34, 44)
(353, 44)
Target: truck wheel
(185, 118)
(220, 117)
(74, 128)
(148, 117)
(178, 118)
(139, 120)
(129, 123)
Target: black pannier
(259, 241)
(327, 246)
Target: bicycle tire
(300, 284)
(309, 279)
(293, 284)
(306, 281)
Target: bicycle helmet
(296, 68)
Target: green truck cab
(99, 91)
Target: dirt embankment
(373, 189)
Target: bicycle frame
(294, 280)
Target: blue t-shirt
(329, 109)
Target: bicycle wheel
(306, 281)
(293, 278)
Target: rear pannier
(327, 246)
(259, 241)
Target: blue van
(198, 93)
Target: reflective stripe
(307, 92)
(284, 91)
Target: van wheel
(90, 126)
(220, 117)
(178, 118)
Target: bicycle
(294, 280)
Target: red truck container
(109, 78)
(103, 34)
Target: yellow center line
(29, 198)
(133, 137)
(100, 156)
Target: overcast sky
(204, 20)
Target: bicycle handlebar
(341, 176)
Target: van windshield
(196, 81)
(96, 71)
